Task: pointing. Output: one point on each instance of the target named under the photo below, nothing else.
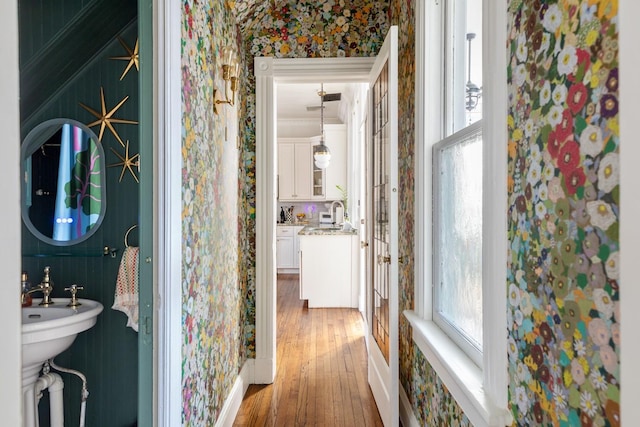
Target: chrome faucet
(46, 286)
(333, 215)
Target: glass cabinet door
(318, 183)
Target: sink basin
(48, 331)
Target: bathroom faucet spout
(46, 294)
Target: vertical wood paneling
(108, 353)
(40, 20)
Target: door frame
(268, 72)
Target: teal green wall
(108, 353)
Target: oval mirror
(63, 182)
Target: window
(459, 321)
(457, 183)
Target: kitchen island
(328, 267)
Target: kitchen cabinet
(294, 171)
(298, 177)
(329, 270)
(287, 248)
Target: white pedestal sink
(47, 332)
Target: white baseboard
(234, 400)
(264, 371)
(407, 417)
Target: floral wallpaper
(213, 300)
(433, 403)
(563, 287)
(308, 28)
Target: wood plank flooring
(322, 369)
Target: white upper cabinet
(294, 171)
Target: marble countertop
(326, 230)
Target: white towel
(126, 297)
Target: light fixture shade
(321, 153)
(321, 156)
(228, 55)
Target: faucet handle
(74, 298)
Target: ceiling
(293, 100)
(246, 10)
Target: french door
(382, 230)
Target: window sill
(461, 376)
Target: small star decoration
(127, 163)
(106, 119)
(132, 57)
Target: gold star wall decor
(106, 119)
(127, 163)
(132, 57)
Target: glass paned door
(382, 188)
(381, 196)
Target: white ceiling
(293, 99)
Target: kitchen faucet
(333, 215)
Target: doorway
(269, 72)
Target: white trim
(630, 212)
(377, 374)
(428, 104)
(268, 71)
(494, 205)
(458, 372)
(490, 404)
(168, 169)
(234, 399)
(407, 417)
(10, 253)
(265, 220)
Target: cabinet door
(318, 190)
(336, 173)
(296, 246)
(284, 252)
(286, 172)
(302, 167)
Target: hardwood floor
(322, 369)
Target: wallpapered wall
(212, 300)
(562, 284)
(563, 147)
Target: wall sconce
(230, 69)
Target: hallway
(322, 369)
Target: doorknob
(364, 244)
(384, 259)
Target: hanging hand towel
(126, 297)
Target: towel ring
(126, 235)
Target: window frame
(480, 391)
(457, 335)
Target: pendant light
(321, 153)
